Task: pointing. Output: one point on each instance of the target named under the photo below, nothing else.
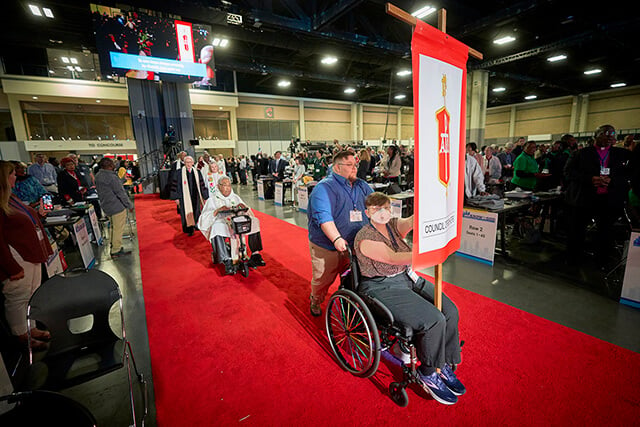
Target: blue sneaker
(451, 381)
(434, 385)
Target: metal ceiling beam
(263, 69)
(329, 15)
(578, 38)
(505, 14)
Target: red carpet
(234, 350)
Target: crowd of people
(27, 195)
(598, 178)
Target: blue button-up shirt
(45, 174)
(333, 199)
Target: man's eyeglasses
(608, 133)
(349, 165)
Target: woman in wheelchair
(384, 259)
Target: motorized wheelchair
(240, 222)
(360, 327)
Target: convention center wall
(59, 115)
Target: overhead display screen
(140, 46)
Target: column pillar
(17, 118)
(584, 113)
(303, 128)
(478, 105)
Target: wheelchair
(360, 327)
(241, 224)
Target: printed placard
(478, 240)
(84, 243)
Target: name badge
(605, 171)
(40, 234)
(355, 216)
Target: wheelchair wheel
(398, 394)
(353, 334)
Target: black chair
(75, 308)
(359, 327)
(44, 408)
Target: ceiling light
(65, 59)
(34, 97)
(499, 89)
(73, 60)
(349, 90)
(403, 73)
(503, 40)
(329, 60)
(47, 12)
(51, 72)
(593, 71)
(221, 42)
(400, 96)
(618, 85)
(556, 58)
(78, 69)
(530, 97)
(69, 67)
(284, 83)
(98, 101)
(424, 11)
(35, 10)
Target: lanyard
(603, 159)
(392, 238)
(25, 210)
(350, 194)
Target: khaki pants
(325, 266)
(17, 294)
(117, 228)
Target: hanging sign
(439, 86)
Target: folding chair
(75, 309)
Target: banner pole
(404, 16)
(407, 18)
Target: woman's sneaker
(451, 381)
(434, 385)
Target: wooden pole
(402, 15)
(406, 17)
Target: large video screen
(141, 46)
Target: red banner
(439, 99)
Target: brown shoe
(314, 307)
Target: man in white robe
(216, 228)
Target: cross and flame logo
(444, 157)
